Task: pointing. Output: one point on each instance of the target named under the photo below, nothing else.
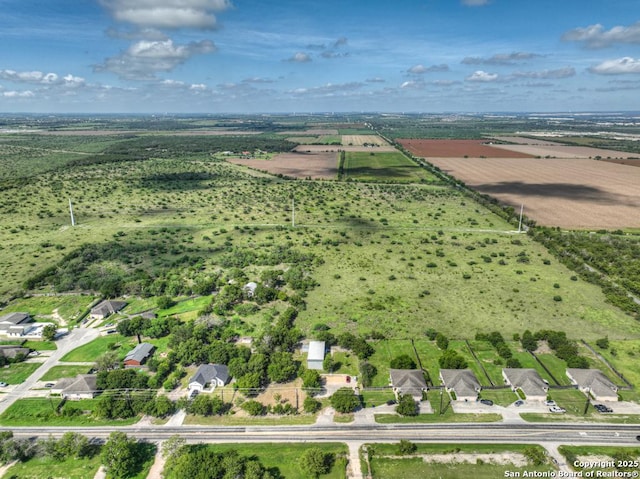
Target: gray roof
(408, 380)
(528, 380)
(14, 318)
(141, 352)
(594, 379)
(13, 351)
(462, 381)
(316, 351)
(82, 383)
(107, 307)
(208, 372)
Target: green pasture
(90, 351)
(40, 411)
(500, 397)
(383, 166)
(373, 398)
(182, 308)
(386, 462)
(44, 467)
(285, 457)
(17, 373)
(623, 355)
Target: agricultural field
(458, 149)
(570, 193)
(382, 166)
(299, 165)
(363, 140)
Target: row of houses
(466, 387)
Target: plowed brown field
(570, 193)
(297, 165)
(457, 149)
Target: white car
(557, 409)
(3, 385)
(550, 403)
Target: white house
(315, 357)
(212, 374)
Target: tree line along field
(400, 257)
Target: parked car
(111, 331)
(390, 402)
(49, 385)
(602, 408)
(518, 403)
(550, 403)
(3, 385)
(557, 409)
(193, 393)
(486, 402)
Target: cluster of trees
(407, 405)
(564, 348)
(498, 342)
(126, 404)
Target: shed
(315, 357)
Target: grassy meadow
(381, 166)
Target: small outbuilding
(594, 382)
(139, 355)
(462, 382)
(315, 357)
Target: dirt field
(521, 140)
(297, 165)
(311, 132)
(559, 151)
(360, 140)
(458, 148)
(570, 193)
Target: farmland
(458, 149)
(376, 166)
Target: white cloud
(547, 74)
(169, 14)
(595, 36)
(481, 76)
(412, 85)
(330, 89)
(618, 66)
(28, 77)
(375, 80)
(144, 59)
(421, 69)
(500, 59)
(18, 94)
(198, 87)
(299, 57)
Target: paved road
(75, 338)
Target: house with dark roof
(83, 386)
(106, 308)
(593, 382)
(15, 324)
(462, 382)
(209, 374)
(528, 381)
(315, 356)
(408, 381)
(138, 355)
(10, 352)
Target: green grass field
(17, 373)
(68, 307)
(285, 456)
(44, 467)
(89, 352)
(59, 372)
(385, 166)
(623, 355)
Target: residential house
(138, 355)
(594, 382)
(209, 374)
(315, 357)
(106, 308)
(15, 324)
(408, 381)
(528, 381)
(462, 382)
(83, 386)
(10, 352)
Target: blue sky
(243, 56)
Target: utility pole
(73, 220)
(520, 222)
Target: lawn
(90, 351)
(285, 456)
(376, 397)
(40, 345)
(383, 166)
(500, 397)
(385, 351)
(69, 307)
(17, 373)
(44, 467)
(38, 411)
(59, 372)
(623, 355)
(557, 367)
(347, 363)
(187, 309)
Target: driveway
(75, 338)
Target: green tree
(119, 455)
(450, 359)
(535, 455)
(311, 379)
(254, 408)
(49, 332)
(315, 462)
(73, 445)
(407, 406)
(367, 373)
(404, 361)
(441, 341)
(282, 367)
(171, 447)
(603, 343)
(406, 447)
(107, 361)
(311, 405)
(344, 400)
